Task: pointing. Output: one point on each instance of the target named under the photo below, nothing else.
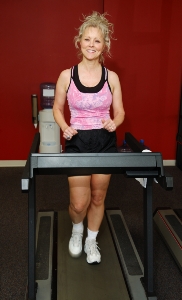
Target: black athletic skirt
(92, 141)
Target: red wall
(147, 57)
(37, 44)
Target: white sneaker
(75, 244)
(93, 254)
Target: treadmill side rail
(127, 254)
(44, 246)
(169, 226)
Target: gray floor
(52, 194)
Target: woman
(90, 90)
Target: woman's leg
(99, 186)
(79, 197)
(95, 212)
(79, 202)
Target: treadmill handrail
(143, 164)
(91, 161)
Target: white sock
(91, 234)
(78, 227)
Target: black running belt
(175, 224)
(179, 213)
(130, 259)
(43, 247)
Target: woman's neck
(89, 65)
(89, 73)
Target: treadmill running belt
(79, 280)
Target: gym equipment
(132, 165)
(169, 226)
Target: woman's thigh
(84, 189)
(79, 190)
(99, 186)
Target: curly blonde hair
(99, 21)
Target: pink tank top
(88, 105)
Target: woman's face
(92, 43)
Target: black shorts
(92, 141)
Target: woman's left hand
(109, 125)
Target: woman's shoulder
(112, 76)
(65, 74)
(64, 77)
(112, 73)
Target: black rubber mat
(175, 224)
(179, 213)
(131, 261)
(43, 246)
(78, 280)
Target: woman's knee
(78, 207)
(97, 199)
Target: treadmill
(121, 274)
(168, 222)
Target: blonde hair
(99, 21)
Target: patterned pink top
(88, 105)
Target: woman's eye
(97, 41)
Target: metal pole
(31, 240)
(148, 240)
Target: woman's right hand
(69, 132)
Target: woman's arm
(117, 103)
(118, 109)
(59, 103)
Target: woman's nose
(91, 43)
